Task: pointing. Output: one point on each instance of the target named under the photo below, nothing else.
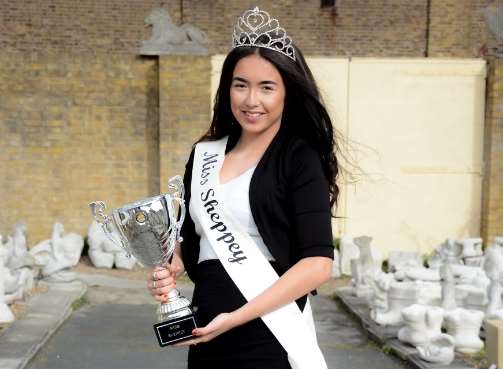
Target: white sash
(244, 262)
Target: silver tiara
(256, 28)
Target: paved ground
(114, 330)
(45, 312)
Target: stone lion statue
(167, 35)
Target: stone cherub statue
(58, 254)
(365, 266)
(378, 299)
(19, 276)
(168, 38)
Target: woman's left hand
(220, 324)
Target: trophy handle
(176, 183)
(175, 225)
(172, 235)
(98, 211)
(179, 222)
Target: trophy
(149, 229)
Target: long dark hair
(304, 113)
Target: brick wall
(114, 26)
(311, 27)
(184, 109)
(73, 130)
(480, 30)
(361, 28)
(82, 116)
(381, 28)
(358, 27)
(458, 29)
(492, 201)
(455, 28)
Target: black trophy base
(174, 330)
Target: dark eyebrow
(239, 79)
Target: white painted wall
(415, 127)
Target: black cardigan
(289, 201)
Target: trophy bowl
(149, 230)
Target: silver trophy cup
(149, 230)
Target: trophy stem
(176, 307)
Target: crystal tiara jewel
(256, 28)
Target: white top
(235, 195)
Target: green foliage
(477, 360)
(427, 256)
(387, 349)
(385, 266)
(479, 355)
(81, 301)
(336, 243)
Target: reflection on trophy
(149, 230)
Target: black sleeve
(190, 243)
(310, 201)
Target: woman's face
(257, 95)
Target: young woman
(259, 187)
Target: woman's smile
(252, 116)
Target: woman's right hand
(163, 279)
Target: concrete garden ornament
(104, 253)
(336, 266)
(449, 252)
(169, 38)
(18, 253)
(400, 260)
(418, 273)
(348, 252)
(422, 324)
(464, 326)
(378, 299)
(448, 287)
(57, 255)
(493, 266)
(438, 351)
(404, 294)
(470, 275)
(472, 253)
(400, 295)
(365, 266)
(6, 315)
(471, 283)
(19, 277)
(471, 297)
